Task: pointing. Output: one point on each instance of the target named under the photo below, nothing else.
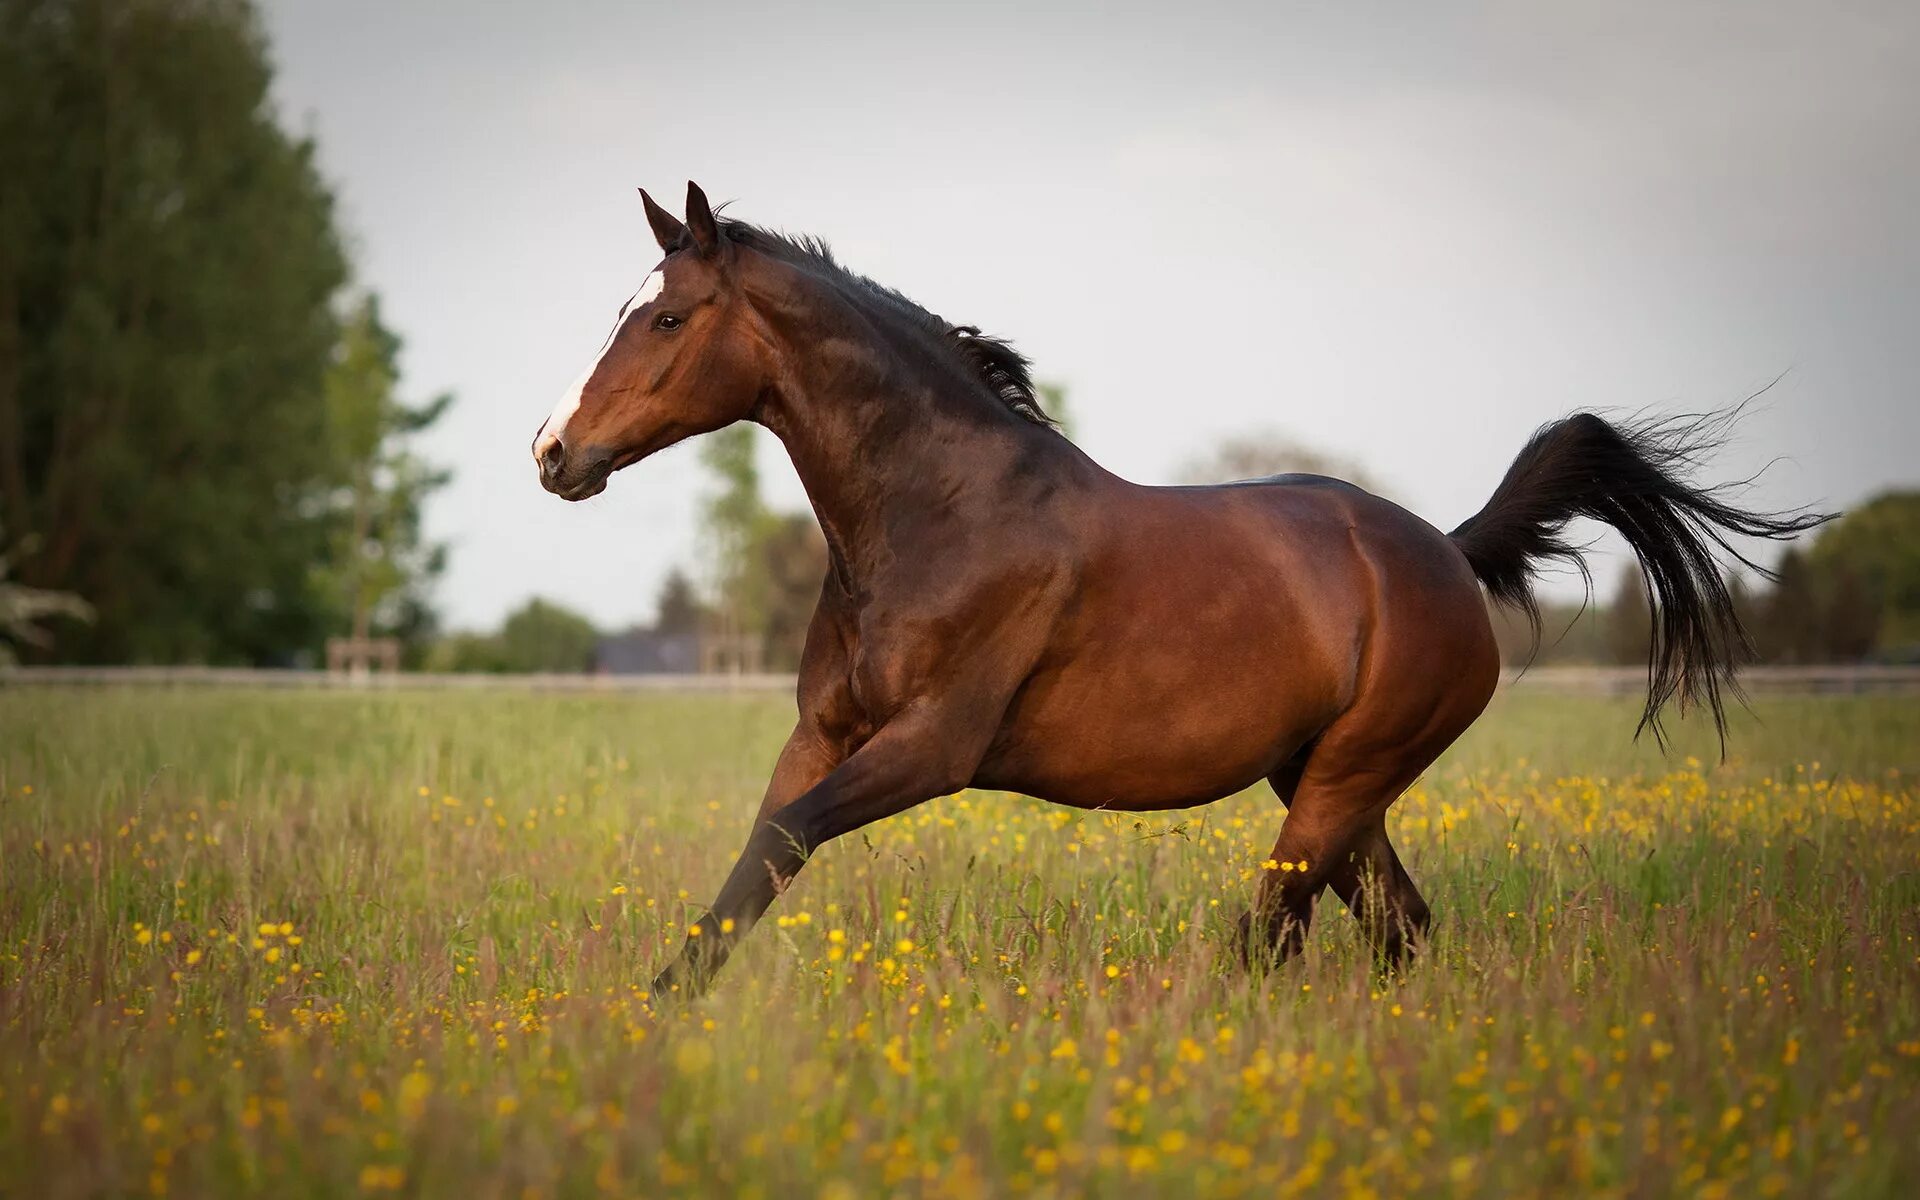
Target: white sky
(1402, 236)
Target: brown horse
(1001, 612)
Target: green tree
(167, 263)
(735, 519)
(793, 554)
(23, 609)
(381, 563)
(1053, 398)
(1790, 616)
(466, 652)
(1629, 620)
(1258, 454)
(1850, 627)
(542, 636)
(1569, 633)
(678, 610)
(767, 566)
(1879, 544)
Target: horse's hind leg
(1329, 815)
(1337, 794)
(1375, 885)
(1429, 664)
(1370, 881)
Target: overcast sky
(1399, 235)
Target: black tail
(1632, 477)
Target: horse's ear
(700, 222)
(668, 231)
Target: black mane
(992, 360)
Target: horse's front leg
(908, 761)
(804, 761)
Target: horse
(1001, 612)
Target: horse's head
(683, 359)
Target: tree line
(204, 453)
(1850, 595)
(201, 445)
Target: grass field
(332, 944)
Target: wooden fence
(1843, 680)
(379, 681)
(1600, 681)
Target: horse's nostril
(551, 455)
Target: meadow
(397, 944)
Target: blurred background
(286, 288)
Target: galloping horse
(1001, 612)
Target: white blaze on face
(556, 425)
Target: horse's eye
(667, 321)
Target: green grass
(1651, 974)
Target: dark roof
(647, 652)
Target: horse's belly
(1135, 735)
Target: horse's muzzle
(572, 476)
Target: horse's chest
(878, 676)
(876, 686)
(853, 699)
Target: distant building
(647, 652)
(641, 651)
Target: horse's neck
(888, 441)
(875, 452)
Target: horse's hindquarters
(1220, 630)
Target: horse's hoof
(1260, 945)
(677, 984)
(669, 985)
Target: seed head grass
(330, 945)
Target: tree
(1879, 543)
(678, 610)
(541, 636)
(767, 566)
(1569, 633)
(1790, 616)
(1851, 628)
(1629, 620)
(1053, 398)
(22, 609)
(1259, 454)
(793, 554)
(735, 520)
(167, 262)
(381, 563)
(1746, 604)
(467, 653)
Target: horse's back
(1283, 479)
